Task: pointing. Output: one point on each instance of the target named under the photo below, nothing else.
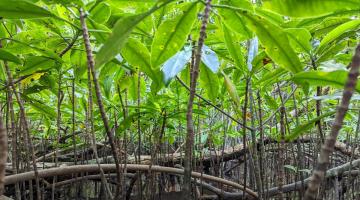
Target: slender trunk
(3, 155)
(60, 96)
(328, 147)
(244, 118)
(91, 65)
(281, 176)
(189, 118)
(73, 119)
(14, 156)
(140, 190)
(26, 126)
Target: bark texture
(3, 155)
(189, 119)
(329, 145)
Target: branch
(328, 147)
(69, 170)
(214, 106)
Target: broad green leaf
(35, 89)
(271, 77)
(79, 62)
(120, 34)
(210, 59)
(275, 41)
(36, 63)
(303, 128)
(100, 32)
(308, 8)
(235, 22)
(7, 56)
(43, 109)
(171, 36)
(320, 78)
(43, 51)
(259, 61)
(21, 9)
(291, 167)
(339, 32)
(175, 64)
(299, 39)
(328, 24)
(118, 38)
(133, 87)
(210, 82)
(271, 16)
(271, 102)
(101, 13)
(138, 55)
(230, 87)
(331, 51)
(234, 48)
(40, 107)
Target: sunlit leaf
(299, 39)
(320, 78)
(7, 56)
(308, 8)
(210, 82)
(138, 55)
(210, 59)
(230, 87)
(36, 63)
(101, 13)
(21, 9)
(339, 33)
(234, 48)
(171, 36)
(176, 64)
(303, 128)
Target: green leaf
(21, 9)
(331, 51)
(175, 64)
(7, 56)
(101, 13)
(120, 34)
(235, 22)
(100, 32)
(43, 51)
(36, 63)
(118, 38)
(271, 102)
(327, 25)
(138, 55)
(79, 62)
(230, 87)
(299, 39)
(339, 32)
(275, 41)
(309, 8)
(210, 82)
(171, 35)
(233, 46)
(301, 129)
(291, 167)
(210, 59)
(320, 78)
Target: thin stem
(91, 65)
(189, 118)
(328, 147)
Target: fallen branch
(61, 171)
